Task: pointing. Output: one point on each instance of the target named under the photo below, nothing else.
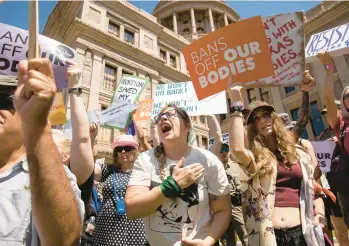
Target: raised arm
(332, 111)
(93, 135)
(54, 206)
(140, 135)
(154, 134)
(237, 132)
(81, 156)
(216, 132)
(304, 109)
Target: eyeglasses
(170, 114)
(346, 96)
(224, 149)
(6, 101)
(125, 148)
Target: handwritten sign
(335, 41)
(183, 95)
(285, 35)
(225, 140)
(14, 47)
(117, 113)
(129, 89)
(324, 150)
(234, 50)
(57, 115)
(144, 110)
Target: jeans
(290, 236)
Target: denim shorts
(290, 236)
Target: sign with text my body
(184, 96)
(14, 48)
(129, 89)
(335, 41)
(285, 35)
(239, 50)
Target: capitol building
(114, 38)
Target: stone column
(122, 32)
(174, 17)
(93, 101)
(226, 20)
(200, 140)
(168, 58)
(258, 94)
(118, 75)
(277, 100)
(342, 69)
(193, 22)
(136, 37)
(211, 19)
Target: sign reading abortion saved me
(335, 41)
(239, 50)
(14, 48)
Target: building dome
(193, 19)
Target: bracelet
(170, 188)
(237, 115)
(329, 66)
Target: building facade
(113, 38)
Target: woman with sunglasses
(112, 225)
(277, 182)
(181, 192)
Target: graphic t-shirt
(192, 210)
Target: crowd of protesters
(264, 186)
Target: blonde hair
(159, 151)
(61, 140)
(265, 158)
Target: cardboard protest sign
(144, 110)
(225, 140)
(239, 50)
(324, 150)
(117, 113)
(130, 130)
(183, 95)
(285, 35)
(14, 48)
(129, 89)
(57, 115)
(334, 40)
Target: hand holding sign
(325, 58)
(308, 81)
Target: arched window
(199, 20)
(185, 22)
(186, 30)
(200, 29)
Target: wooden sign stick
(33, 46)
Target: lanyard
(120, 186)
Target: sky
(16, 12)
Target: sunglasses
(6, 102)
(170, 114)
(224, 149)
(124, 148)
(346, 96)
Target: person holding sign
(277, 183)
(180, 191)
(40, 201)
(339, 122)
(113, 227)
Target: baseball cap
(8, 80)
(253, 106)
(338, 104)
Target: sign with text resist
(239, 50)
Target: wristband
(170, 188)
(237, 106)
(329, 66)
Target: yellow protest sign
(57, 114)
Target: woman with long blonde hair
(277, 179)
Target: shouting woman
(181, 192)
(277, 183)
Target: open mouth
(166, 128)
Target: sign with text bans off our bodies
(14, 48)
(335, 41)
(285, 35)
(128, 90)
(324, 151)
(183, 95)
(239, 50)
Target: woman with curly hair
(277, 182)
(180, 191)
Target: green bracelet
(170, 188)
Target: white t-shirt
(192, 211)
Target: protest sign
(57, 115)
(323, 151)
(129, 89)
(285, 35)
(334, 40)
(144, 110)
(183, 95)
(239, 50)
(130, 130)
(117, 113)
(225, 140)
(14, 48)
